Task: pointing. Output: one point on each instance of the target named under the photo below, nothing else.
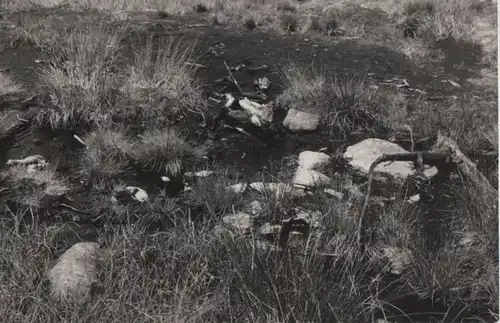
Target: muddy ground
(259, 156)
(254, 48)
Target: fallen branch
(258, 96)
(466, 167)
(444, 151)
(433, 158)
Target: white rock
(262, 83)
(263, 111)
(238, 188)
(364, 153)
(398, 258)
(138, 194)
(310, 178)
(296, 120)
(241, 221)
(75, 272)
(414, 199)
(313, 160)
(165, 179)
(269, 229)
(254, 119)
(229, 100)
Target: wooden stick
(433, 158)
(260, 96)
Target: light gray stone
(363, 154)
(296, 120)
(74, 274)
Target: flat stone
(310, 178)
(363, 154)
(313, 160)
(296, 120)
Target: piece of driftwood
(445, 151)
(251, 95)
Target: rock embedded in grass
(313, 160)
(75, 273)
(296, 120)
(310, 178)
(363, 154)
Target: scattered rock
(364, 153)
(310, 178)
(229, 100)
(269, 229)
(313, 160)
(137, 193)
(241, 221)
(262, 83)
(74, 276)
(238, 188)
(263, 111)
(398, 258)
(414, 199)
(296, 120)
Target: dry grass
(346, 104)
(166, 151)
(82, 83)
(108, 155)
(29, 190)
(159, 83)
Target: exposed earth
(249, 153)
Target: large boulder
(74, 275)
(363, 154)
(296, 120)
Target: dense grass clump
(108, 155)
(166, 151)
(81, 85)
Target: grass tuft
(160, 84)
(165, 150)
(108, 155)
(30, 190)
(82, 83)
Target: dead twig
(258, 96)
